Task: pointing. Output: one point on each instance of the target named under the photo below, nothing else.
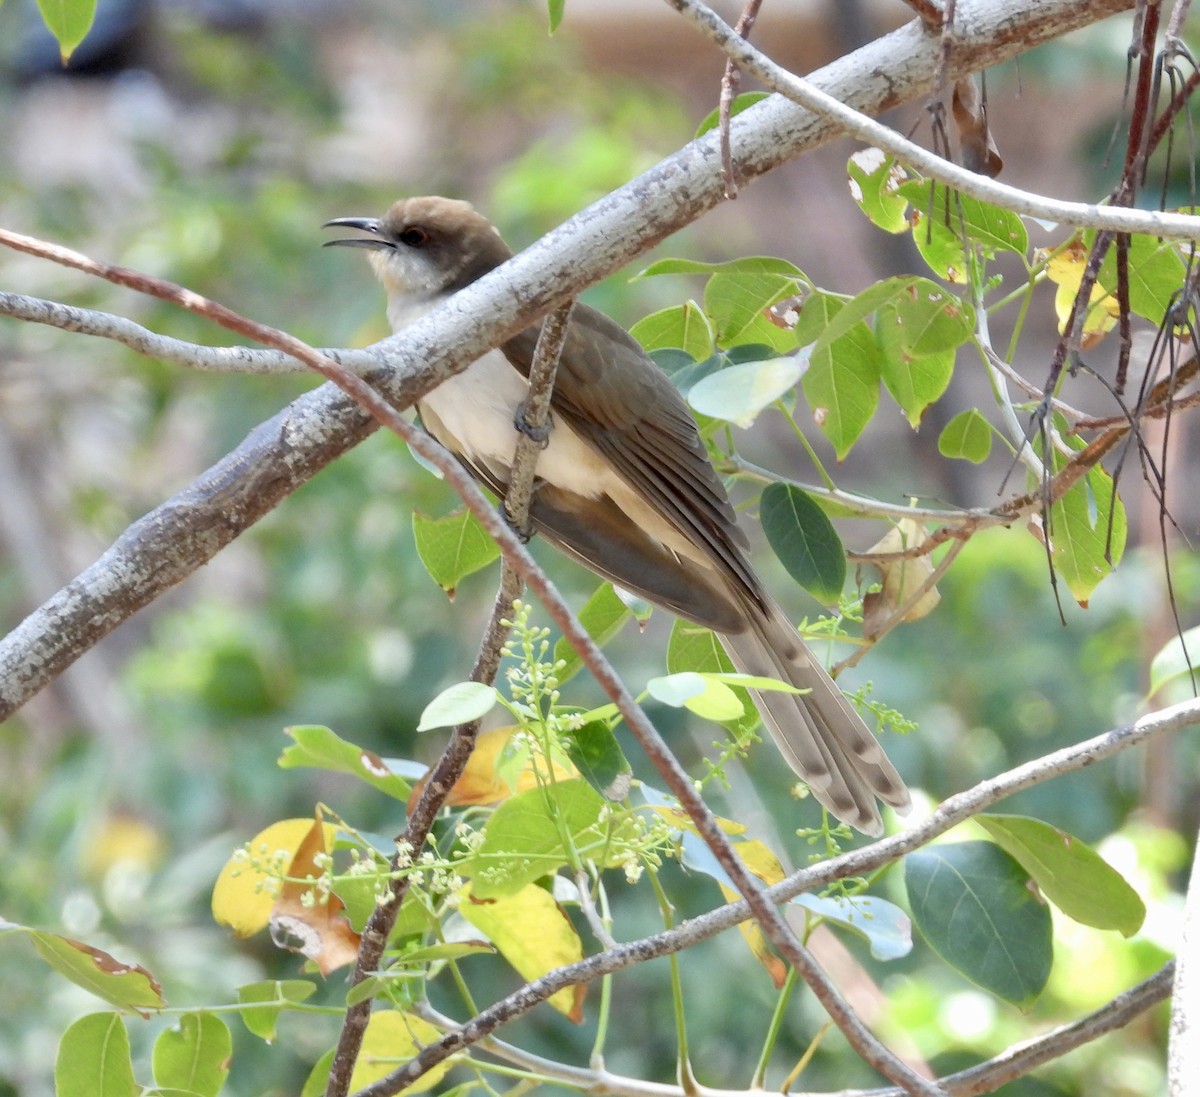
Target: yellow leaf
(757, 940)
(481, 783)
(678, 818)
(391, 1040)
(759, 859)
(308, 920)
(900, 579)
(533, 934)
(1065, 268)
(245, 893)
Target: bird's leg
(539, 434)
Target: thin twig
(535, 414)
(900, 614)
(929, 12)
(729, 86)
(440, 781)
(235, 359)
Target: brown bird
(624, 485)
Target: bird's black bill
(365, 224)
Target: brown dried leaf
(979, 152)
(306, 919)
(900, 578)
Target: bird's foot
(539, 434)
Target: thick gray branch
(175, 539)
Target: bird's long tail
(819, 733)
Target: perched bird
(624, 485)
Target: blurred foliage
(213, 166)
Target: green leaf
(358, 893)
(525, 837)
(915, 383)
(94, 1059)
(595, 752)
(318, 1078)
(748, 264)
(695, 648)
(194, 1055)
(739, 104)
(927, 319)
(458, 704)
(320, 748)
(826, 317)
(69, 21)
(1175, 659)
(1156, 274)
(967, 436)
(706, 697)
(842, 381)
(884, 925)
(684, 327)
(972, 903)
(275, 995)
(1087, 530)
(603, 615)
(1069, 873)
(875, 179)
(452, 547)
(919, 329)
(127, 986)
(738, 394)
(738, 302)
(942, 218)
(801, 535)
(555, 10)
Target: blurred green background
(206, 143)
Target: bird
(623, 485)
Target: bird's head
(424, 249)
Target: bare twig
(442, 778)
(729, 86)
(535, 416)
(193, 355)
(929, 12)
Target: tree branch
(854, 122)
(182, 534)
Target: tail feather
(819, 733)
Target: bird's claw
(538, 434)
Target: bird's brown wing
(637, 420)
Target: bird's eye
(414, 237)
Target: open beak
(366, 224)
